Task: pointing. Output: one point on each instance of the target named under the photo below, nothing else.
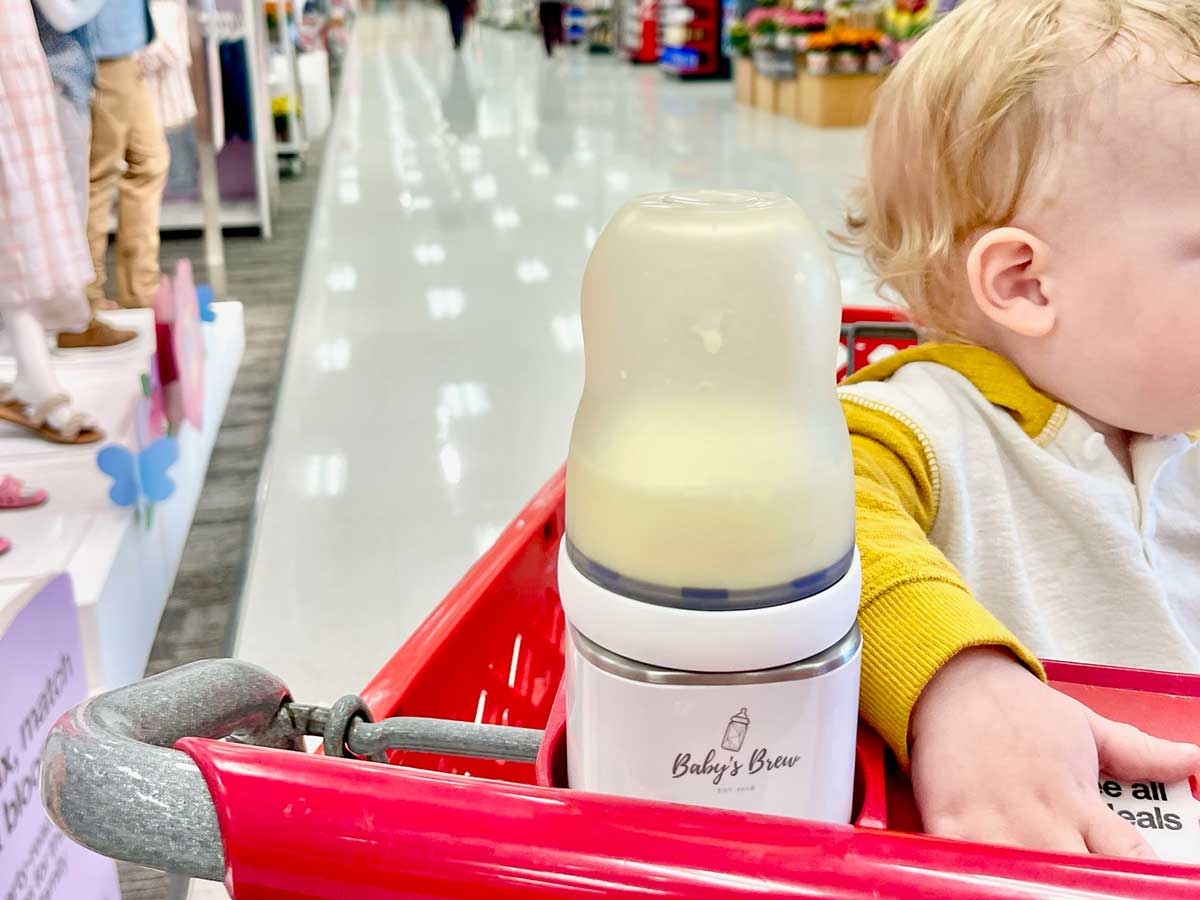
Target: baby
(1026, 483)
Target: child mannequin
(66, 40)
(1026, 487)
(43, 260)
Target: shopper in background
(64, 27)
(550, 15)
(125, 129)
(457, 9)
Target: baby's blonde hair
(960, 125)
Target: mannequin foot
(46, 411)
(98, 334)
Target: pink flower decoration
(756, 15)
(188, 342)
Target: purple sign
(42, 671)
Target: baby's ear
(1005, 270)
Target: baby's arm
(67, 15)
(996, 754)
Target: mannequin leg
(140, 198)
(35, 382)
(110, 133)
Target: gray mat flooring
(265, 276)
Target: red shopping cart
(473, 804)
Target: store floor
(435, 359)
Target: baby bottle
(708, 573)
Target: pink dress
(44, 260)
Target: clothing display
(65, 30)
(122, 28)
(235, 91)
(43, 261)
(126, 129)
(67, 34)
(167, 61)
(75, 125)
(183, 174)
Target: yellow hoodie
(990, 515)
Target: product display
(822, 64)
(43, 259)
(639, 30)
(695, 576)
(599, 23)
(83, 402)
(691, 39)
(167, 61)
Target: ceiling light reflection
(484, 187)
(485, 536)
(617, 181)
(532, 271)
(415, 202)
(431, 254)
(333, 356)
(451, 462)
(325, 474)
(342, 277)
(567, 332)
(505, 218)
(445, 302)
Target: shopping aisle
(436, 357)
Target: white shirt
(1051, 535)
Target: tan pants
(126, 129)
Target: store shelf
(690, 40)
(188, 215)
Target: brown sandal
(77, 430)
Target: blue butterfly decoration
(204, 299)
(142, 475)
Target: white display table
(122, 569)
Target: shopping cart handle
(111, 782)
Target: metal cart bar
(111, 781)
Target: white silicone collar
(703, 641)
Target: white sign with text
(42, 671)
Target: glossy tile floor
(436, 357)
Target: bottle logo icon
(735, 732)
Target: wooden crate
(766, 92)
(787, 101)
(743, 79)
(837, 101)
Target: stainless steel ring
(827, 661)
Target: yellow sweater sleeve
(916, 612)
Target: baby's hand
(999, 757)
